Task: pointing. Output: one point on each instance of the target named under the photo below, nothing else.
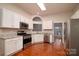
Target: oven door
(26, 41)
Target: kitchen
(32, 27)
(11, 28)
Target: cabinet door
(7, 18)
(33, 38)
(10, 46)
(47, 24)
(37, 38)
(40, 37)
(19, 43)
(16, 21)
(23, 19)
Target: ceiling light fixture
(42, 6)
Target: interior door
(74, 32)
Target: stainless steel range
(26, 38)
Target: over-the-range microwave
(23, 25)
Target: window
(37, 24)
(36, 19)
(37, 27)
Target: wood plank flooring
(42, 49)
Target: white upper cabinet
(16, 21)
(27, 21)
(23, 19)
(9, 19)
(47, 24)
(6, 18)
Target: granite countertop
(9, 37)
(40, 32)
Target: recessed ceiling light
(42, 6)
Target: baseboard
(37, 43)
(13, 54)
(40, 43)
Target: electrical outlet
(73, 52)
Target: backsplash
(7, 32)
(12, 32)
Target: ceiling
(51, 8)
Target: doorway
(60, 33)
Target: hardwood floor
(42, 49)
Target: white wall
(14, 8)
(62, 17)
(75, 15)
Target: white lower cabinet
(11, 46)
(19, 43)
(37, 38)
